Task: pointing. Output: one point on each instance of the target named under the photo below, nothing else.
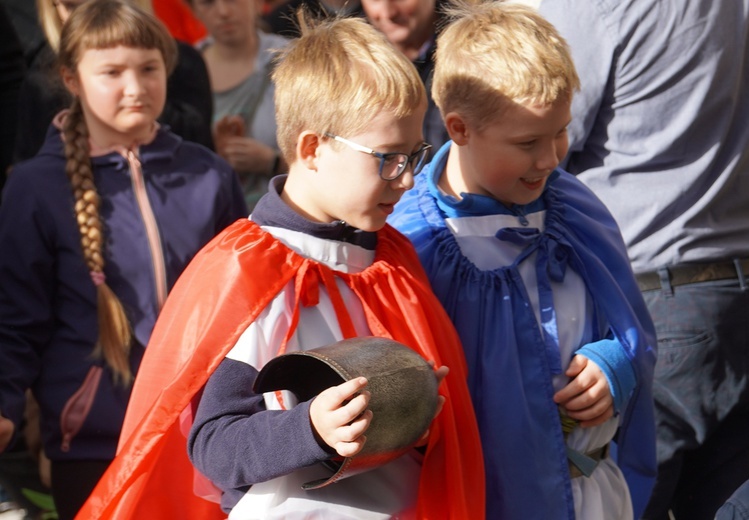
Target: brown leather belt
(597, 455)
(684, 274)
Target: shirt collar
(271, 210)
(472, 204)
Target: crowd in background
(658, 132)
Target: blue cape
(510, 361)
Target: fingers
(352, 438)
(425, 436)
(577, 365)
(236, 123)
(440, 404)
(589, 379)
(595, 415)
(334, 397)
(423, 440)
(221, 124)
(340, 417)
(230, 125)
(441, 373)
(248, 155)
(588, 395)
(587, 398)
(590, 392)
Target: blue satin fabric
(512, 361)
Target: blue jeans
(737, 507)
(701, 397)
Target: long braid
(114, 330)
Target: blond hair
(51, 23)
(492, 54)
(95, 25)
(338, 76)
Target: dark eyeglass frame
(404, 159)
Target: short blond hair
(338, 76)
(493, 54)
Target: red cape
(218, 296)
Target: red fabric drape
(180, 20)
(221, 292)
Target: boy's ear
(70, 80)
(457, 128)
(306, 149)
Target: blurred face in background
(407, 24)
(230, 22)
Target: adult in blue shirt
(659, 133)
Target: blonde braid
(114, 330)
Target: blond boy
(314, 264)
(533, 272)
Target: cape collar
(271, 210)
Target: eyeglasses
(392, 165)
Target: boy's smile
(511, 158)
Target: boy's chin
(366, 224)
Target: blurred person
(23, 15)
(281, 19)
(411, 26)
(188, 109)
(12, 71)
(659, 133)
(101, 223)
(239, 57)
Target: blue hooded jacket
(48, 318)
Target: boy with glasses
(532, 270)
(315, 263)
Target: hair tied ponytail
(114, 334)
(114, 329)
(98, 277)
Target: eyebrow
(536, 135)
(123, 64)
(399, 146)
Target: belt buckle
(584, 464)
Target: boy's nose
(406, 180)
(547, 159)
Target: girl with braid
(94, 231)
